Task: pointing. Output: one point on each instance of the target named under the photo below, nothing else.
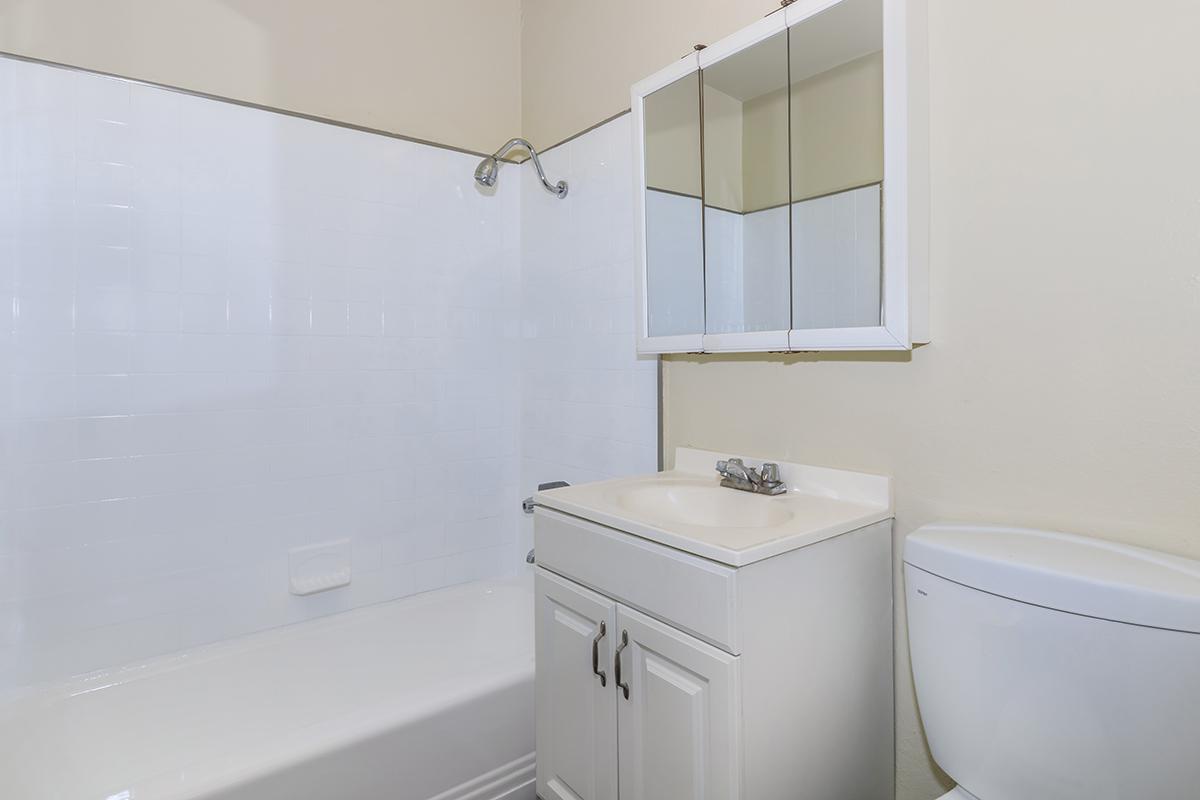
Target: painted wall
(837, 128)
(672, 122)
(579, 58)
(227, 333)
(836, 139)
(724, 179)
(1062, 387)
(446, 72)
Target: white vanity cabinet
(781, 185)
(680, 701)
(576, 715)
(678, 729)
(737, 664)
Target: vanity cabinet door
(680, 730)
(576, 714)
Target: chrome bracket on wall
(528, 503)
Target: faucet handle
(770, 472)
(724, 467)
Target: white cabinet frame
(646, 344)
(905, 241)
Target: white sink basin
(687, 508)
(702, 503)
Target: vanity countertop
(686, 508)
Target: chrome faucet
(736, 475)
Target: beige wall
(580, 57)
(1062, 387)
(765, 151)
(723, 154)
(837, 128)
(672, 120)
(448, 72)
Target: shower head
(489, 168)
(485, 173)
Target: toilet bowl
(1051, 666)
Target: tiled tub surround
(835, 264)
(225, 333)
(589, 405)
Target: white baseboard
(513, 781)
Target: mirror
(837, 166)
(746, 190)
(674, 210)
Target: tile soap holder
(319, 567)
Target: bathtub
(426, 697)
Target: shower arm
(559, 189)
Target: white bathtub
(426, 697)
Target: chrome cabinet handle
(596, 656)
(624, 687)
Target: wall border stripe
(300, 114)
(586, 130)
(249, 104)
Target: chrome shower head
(485, 173)
(489, 168)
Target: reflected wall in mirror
(674, 211)
(837, 166)
(746, 189)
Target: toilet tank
(1050, 666)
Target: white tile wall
(675, 264)
(226, 332)
(836, 260)
(724, 271)
(747, 281)
(589, 404)
(765, 252)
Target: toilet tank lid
(1065, 572)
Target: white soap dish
(319, 567)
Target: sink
(686, 508)
(703, 504)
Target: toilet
(1050, 666)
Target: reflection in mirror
(674, 214)
(746, 190)
(837, 166)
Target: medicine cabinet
(782, 186)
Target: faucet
(736, 475)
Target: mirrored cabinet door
(674, 239)
(746, 194)
(784, 177)
(837, 137)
